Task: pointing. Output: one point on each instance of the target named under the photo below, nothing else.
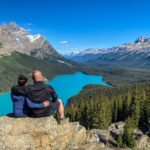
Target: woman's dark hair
(22, 80)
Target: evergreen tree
(115, 110)
(135, 111)
(120, 108)
(102, 114)
(126, 105)
(128, 136)
(120, 141)
(98, 107)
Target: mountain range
(135, 55)
(21, 53)
(14, 38)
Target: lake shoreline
(63, 75)
(65, 86)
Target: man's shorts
(54, 107)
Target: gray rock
(117, 128)
(138, 133)
(144, 142)
(94, 138)
(102, 134)
(20, 142)
(15, 38)
(40, 134)
(92, 146)
(107, 148)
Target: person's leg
(61, 109)
(57, 106)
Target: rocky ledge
(45, 134)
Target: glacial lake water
(64, 85)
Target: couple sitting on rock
(38, 100)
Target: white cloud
(63, 42)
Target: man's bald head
(37, 75)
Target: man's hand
(46, 103)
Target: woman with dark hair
(22, 104)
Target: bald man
(38, 93)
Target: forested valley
(98, 106)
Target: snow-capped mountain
(135, 54)
(89, 51)
(15, 38)
(142, 43)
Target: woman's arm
(34, 105)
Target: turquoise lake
(65, 87)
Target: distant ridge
(136, 54)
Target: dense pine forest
(98, 106)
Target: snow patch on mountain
(60, 61)
(142, 44)
(33, 38)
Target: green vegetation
(120, 141)
(125, 58)
(12, 66)
(117, 76)
(127, 139)
(95, 106)
(98, 106)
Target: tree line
(97, 107)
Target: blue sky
(74, 25)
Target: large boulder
(46, 134)
(103, 135)
(39, 134)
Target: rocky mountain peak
(141, 39)
(138, 51)
(15, 38)
(11, 26)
